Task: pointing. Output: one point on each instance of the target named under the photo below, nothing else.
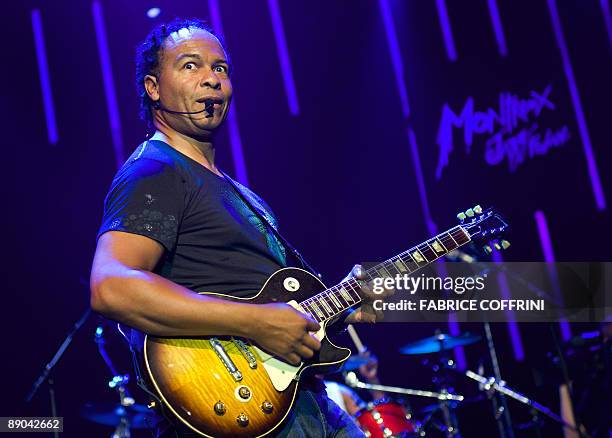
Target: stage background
(358, 139)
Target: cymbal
(110, 414)
(354, 362)
(439, 342)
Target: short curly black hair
(148, 55)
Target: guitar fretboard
(333, 301)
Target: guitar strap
(268, 224)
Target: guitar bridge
(227, 361)
(248, 355)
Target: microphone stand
(45, 375)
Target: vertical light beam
(549, 257)
(45, 80)
(513, 330)
(447, 32)
(283, 57)
(573, 88)
(232, 119)
(394, 51)
(498, 28)
(109, 84)
(605, 10)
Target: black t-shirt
(213, 241)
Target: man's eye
(220, 69)
(189, 66)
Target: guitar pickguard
(281, 373)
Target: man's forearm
(157, 306)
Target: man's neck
(201, 151)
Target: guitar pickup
(248, 355)
(227, 361)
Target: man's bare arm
(124, 288)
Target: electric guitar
(221, 386)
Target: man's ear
(152, 87)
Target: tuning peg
(487, 249)
(497, 246)
(505, 244)
(477, 209)
(469, 212)
(461, 216)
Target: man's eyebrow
(197, 56)
(187, 55)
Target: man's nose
(210, 79)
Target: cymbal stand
(450, 426)
(118, 382)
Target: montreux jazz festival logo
(511, 132)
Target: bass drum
(385, 418)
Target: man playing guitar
(174, 224)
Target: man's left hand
(366, 312)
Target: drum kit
(392, 415)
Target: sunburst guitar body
(227, 387)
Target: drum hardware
(125, 415)
(389, 413)
(438, 343)
(492, 385)
(353, 381)
(381, 418)
(441, 344)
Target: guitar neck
(331, 302)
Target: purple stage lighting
(396, 58)
(513, 329)
(153, 12)
(605, 10)
(549, 257)
(600, 199)
(497, 28)
(45, 81)
(447, 32)
(283, 57)
(109, 84)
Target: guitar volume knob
(242, 419)
(244, 392)
(267, 407)
(219, 408)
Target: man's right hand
(285, 332)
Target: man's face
(193, 67)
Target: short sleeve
(147, 198)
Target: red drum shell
(393, 416)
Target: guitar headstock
(484, 226)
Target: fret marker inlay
(436, 245)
